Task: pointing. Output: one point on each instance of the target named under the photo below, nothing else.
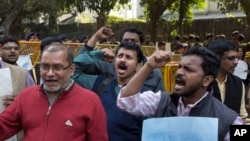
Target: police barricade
(110, 46)
(148, 50)
(168, 72)
(33, 49)
(30, 48)
(75, 47)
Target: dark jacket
(207, 107)
(121, 125)
(35, 73)
(233, 93)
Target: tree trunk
(101, 20)
(153, 24)
(248, 26)
(181, 16)
(16, 28)
(12, 16)
(156, 9)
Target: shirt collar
(222, 81)
(192, 105)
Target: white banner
(25, 62)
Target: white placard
(6, 85)
(25, 62)
(180, 129)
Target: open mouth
(121, 68)
(51, 81)
(179, 81)
(12, 56)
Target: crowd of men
(105, 95)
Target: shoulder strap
(103, 84)
(34, 74)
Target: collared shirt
(28, 79)
(222, 87)
(146, 103)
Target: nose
(236, 60)
(179, 71)
(50, 72)
(12, 49)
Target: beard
(191, 90)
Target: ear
(207, 80)
(1, 50)
(138, 67)
(72, 69)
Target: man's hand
(108, 54)
(102, 33)
(7, 100)
(159, 58)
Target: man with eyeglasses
(228, 88)
(20, 77)
(9, 49)
(35, 71)
(57, 110)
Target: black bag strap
(103, 84)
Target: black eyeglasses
(55, 68)
(10, 48)
(231, 58)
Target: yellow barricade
(148, 50)
(110, 46)
(32, 49)
(75, 47)
(168, 72)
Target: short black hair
(133, 30)
(8, 38)
(219, 46)
(161, 43)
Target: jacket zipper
(48, 112)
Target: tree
(102, 8)
(153, 11)
(184, 11)
(17, 8)
(155, 8)
(234, 5)
(16, 12)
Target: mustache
(122, 65)
(12, 54)
(179, 78)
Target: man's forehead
(10, 43)
(130, 35)
(191, 60)
(230, 52)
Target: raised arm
(158, 59)
(102, 33)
